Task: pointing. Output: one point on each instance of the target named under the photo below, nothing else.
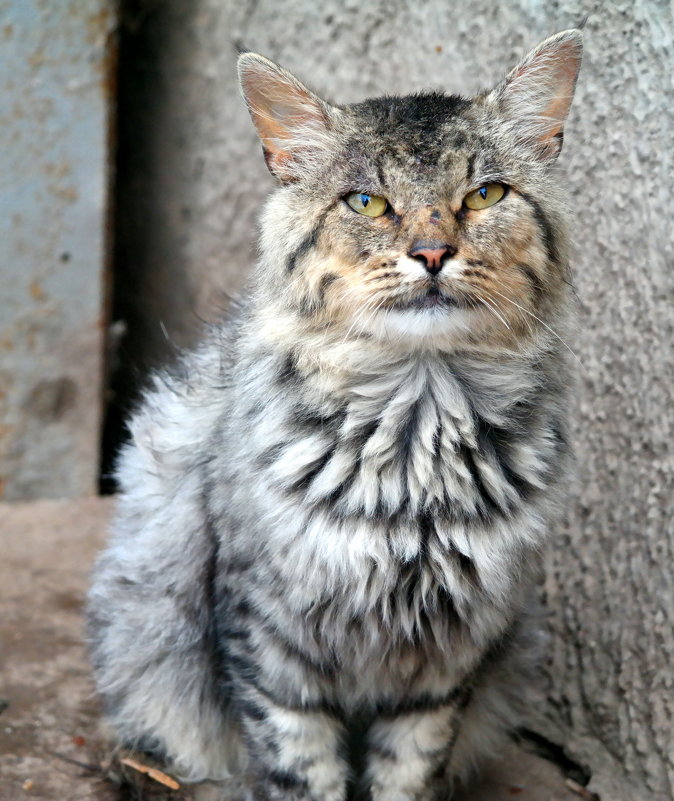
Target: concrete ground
(52, 745)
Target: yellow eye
(369, 205)
(485, 196)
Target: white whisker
(492, 308)
(545, 325)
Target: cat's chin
(433, 322)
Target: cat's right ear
(292, 122)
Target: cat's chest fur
(398, 445)
(398, 494)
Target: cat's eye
(369, 205)
(484, 197)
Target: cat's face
(428, 218)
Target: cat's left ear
(292, 122)
(536, 96)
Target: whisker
(545, 325)
(368, 306)
(499, 305)
(492, 308)
(376, 308)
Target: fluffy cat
(332, 512)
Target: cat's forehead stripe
(424, 111)
(423, 126)
(417, 140)
(470, 168)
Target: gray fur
(330, 524)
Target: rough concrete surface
(55, 95)
(191, 185)
(47, 552)
(52, 746)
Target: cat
(322, 564)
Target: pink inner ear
(563, 68)
(289, 119)
(269, 112)
(539, 91)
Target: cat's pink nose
(432, 254)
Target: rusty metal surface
(55, 67)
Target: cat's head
(429, 218)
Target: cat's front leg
(408, 753)
(294, 753)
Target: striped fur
(331, 515)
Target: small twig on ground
(153, 773)
(583, 792)
(76, 762)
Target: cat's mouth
(431, 298)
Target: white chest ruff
(406, 443)
(400, 498)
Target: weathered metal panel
(54, 113)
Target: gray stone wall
(191, 184)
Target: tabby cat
(332, 512)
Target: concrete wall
(192, 181)
(55, 70)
